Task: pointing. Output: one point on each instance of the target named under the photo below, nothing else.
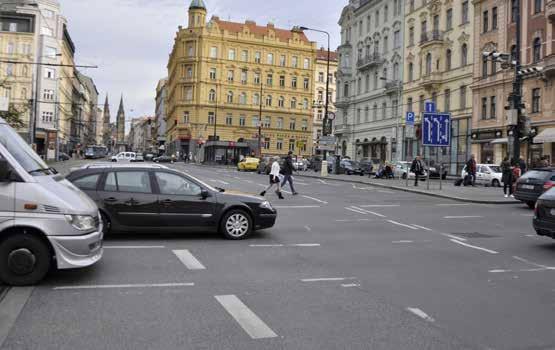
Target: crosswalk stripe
(252, 324)
(189, 260)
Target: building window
(484, 67)
(49, 73)
(229, 120)
(257, 57)
(537, 50)
(464, 55)
(213, 52)
(536, 100)
(346, 90)
(421, 103)
(448, 57)
(292, 124)
(270, 58)
(231, 55)
(269, 79)
(279, 144)
(384, 109)
(484, 108)
(47, 117)
(485, 21)
(230, 76)
(292, 145)
(304, 125)
(48, 94)
(269, 100)
(279, 123)
(294, 62)
(266, 143)
(243, 98)
(212, 73)
(409, 104)
(411, 71)
(385, 44)
(190, 51)
(397, 39)
(537, 6)
(189, 72)
(411, 5)
(447, 100)
(411, 36)
(11, 48)
(385, 13)
(449, 19)
(281, 101)
(282, 80)
(513, 53)
(212, 95)
(185, 117)
(211, 118)
(9, 69)
(242, 120)
(293, 103)
(305, 103)
(306, 63)
(465, 12)
(514, 7)
(256, 99)
(494, 18)
(255, 123)
(493, 112)
(230, 97)
(377, 19)
(375, 112)
(463, 97)
(358, 116)
(244, 76)
(244, 56)
(428, 63)
(282, 60)
(294, 82)
(321, 77)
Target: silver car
(45, 221)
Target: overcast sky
(130, 40)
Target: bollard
(408, 175)
(324, 170)
(428, 179)
(441, 177)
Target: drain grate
(472, 235)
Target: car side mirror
(5, 171)
(204, 194)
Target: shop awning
(547, 135)
(503, 141)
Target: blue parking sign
(410, 118)
(436, 129)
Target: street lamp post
(325, 129)
(260, 121)
(397, 153)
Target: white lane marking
(322, 181)
(527, 215)
(316, 199)
(305, 245)
(402, 242)
(189, 260)
(283, 245)
(532, 263)
(453, 237)
(330, 279)
(368, 212)
(134, 247)
(453, 205)
(265, 245)
(523, 270)
(10, 308)
(474, 247)
(343, 220)
(420, 314)
(400, 224)
(363, 220)
(380, 206)
(463, 217)
(531, 235)
(350, 285)
(249, 181)
(121, 286)
(296, 206)
(252, 324)
(308, 228)
(356, 211)
(422, 227)
(237, 178)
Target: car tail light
(548, 184)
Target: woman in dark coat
(507, 177)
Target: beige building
(319, 102)
(227, 79)
(438, 61)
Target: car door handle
(131, 202)
(110, 200)
(167, 202)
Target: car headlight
(266, 205)
(81, 222)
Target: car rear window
(537, 175)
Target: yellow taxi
(248, 164)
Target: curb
(404, 189)
(3, 292)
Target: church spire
(121, 122)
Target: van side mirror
(4, 170)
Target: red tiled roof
(322, 54)
(281, 34)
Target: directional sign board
(410, 118)
(436, 129)
(430, 107)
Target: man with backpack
(287, 171)
(417, 168)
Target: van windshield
(21, 151)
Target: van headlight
(81, 222)
(266, 205)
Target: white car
(125, 157)
(401, 169)
(486, 174)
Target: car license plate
(527, 187)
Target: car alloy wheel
(236, 225)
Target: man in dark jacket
(471, 169)
(417, 168)
(287, 171)
(522, 165)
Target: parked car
(435, 172)
(248, 164)
(164, 159)
(544, 214)
(149, 157)
(366, 163)
(350, 167)
(138, 159)
(45, 222)
(124, 157)
(533, 184)
(401, 168)
(147, 198)
(300, 164)
(486, 174)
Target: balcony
(550, 10)
(369, 61)
(431, 80)
(392, 87)
(435, 37)
(549, 66)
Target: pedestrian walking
(471, 169)
(516, 174)
(507, 177)
(190, 158)
(287, 171)
(274, 179)
(522, 166)
(417, 168)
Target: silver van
(45, 221)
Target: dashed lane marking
(355, 211)
(308, 228)
(368, 212)
(350, 285)
(422, 228)
(474, 247)
(420, 314)
(247, 319)
(402, 242)
(316, 199)
(328, 279)
(463, 217)
(284, 245)
(380, 206)
(401, 224)
(453, 237)
(122, 286)
(189, 260)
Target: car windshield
(495, 168)
(537, 175)
(22, 153)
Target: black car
(350, 167)
(163, 159)
(544, 214)
(143, 198)
(533, 184)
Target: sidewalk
(478, 194)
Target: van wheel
(236, 225)
(24, 260)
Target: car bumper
(526, 196)
(544, 228)
(77, 251)
(266, 221)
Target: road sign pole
(441, 177)
(428, 172)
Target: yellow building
(438, 67)
(227, 79)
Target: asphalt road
(346, 267)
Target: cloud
(130, 40)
